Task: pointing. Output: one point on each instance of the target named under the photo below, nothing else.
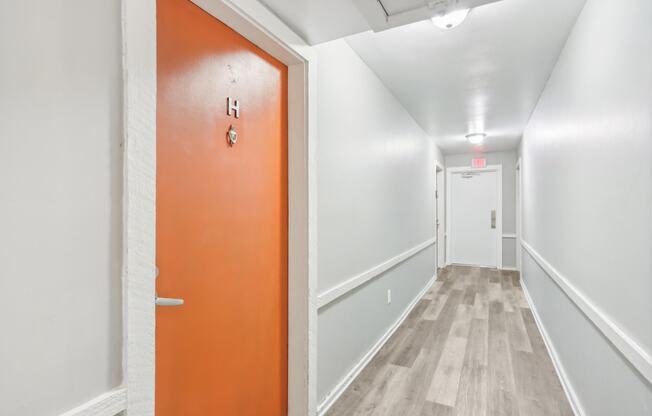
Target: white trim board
(139, 196)
(629, 348)
(440, 214)
(107, 404)
(329, 295)
(519, 215)
(561, 373)
(499, 210)
(341, 387)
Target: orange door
(221, 221)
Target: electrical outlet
(389, 296)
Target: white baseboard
(335, 394)
(559, 368)
(108, 404)
(509, 269)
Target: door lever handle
(168, 301)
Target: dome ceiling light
(450, 20)
(446, 14)
(476, 138)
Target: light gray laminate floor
(469, 347)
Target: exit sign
(478, 162)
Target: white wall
(587, 195)
(376, 181)
(507, 160)
(60, 204)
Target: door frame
(499, 208)
(253, 21)
(519, 216)
(440, 216)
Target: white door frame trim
(499, 208)
(252, 20)
(440, 216)
(519, 216)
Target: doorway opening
(267, 33)
(222, 326)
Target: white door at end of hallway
(474, 218)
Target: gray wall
(587, 195)
(60, 204)
(376, 181)
(508, 161)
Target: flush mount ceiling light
(446, 14)
(476, 138)
(450, 20)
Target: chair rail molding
(329, 295)
(106, 404)
(628, 347)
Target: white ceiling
(318, 21)
(485, 75)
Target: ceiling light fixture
(450, 20)
(476, 138)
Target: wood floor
(469, 347)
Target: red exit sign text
(478, 162)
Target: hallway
(326, 208)
(470, 346)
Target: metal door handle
(493, 218)
(168, 301)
